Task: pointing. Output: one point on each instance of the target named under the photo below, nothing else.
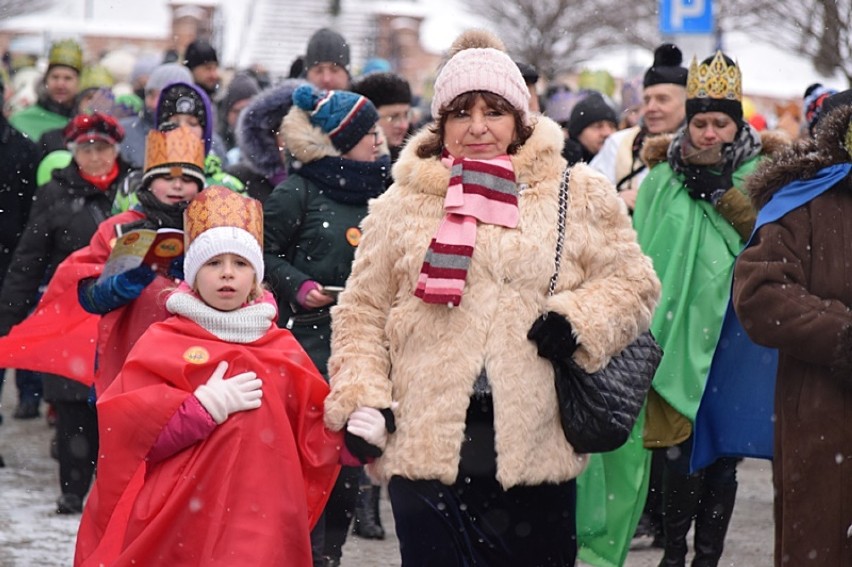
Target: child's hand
(367, 432)
(369, 425)
(316, 299)
(221, 397)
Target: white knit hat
(479, 62)
(219, 221)
(222, 240)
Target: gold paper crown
(716, 80)
(219, 206)
(66, 52)
(174, 153)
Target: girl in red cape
(213, 448)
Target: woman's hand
(316, 299)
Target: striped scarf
(479, 191)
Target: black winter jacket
(64, 216)
(17, 186)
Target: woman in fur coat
(792, 293)
(442, 320)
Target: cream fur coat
(389, 346)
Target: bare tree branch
(558, 35)
(12, 8)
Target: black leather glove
(703, 183)
(554, 336)
(360, 448)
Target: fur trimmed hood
(803, 159)
(308, 143)
(540, 158)
(655, 148)
(258, 124)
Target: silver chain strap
(560, 235)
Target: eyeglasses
(398, 117)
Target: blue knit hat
(345, 116)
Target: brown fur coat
(389, 346)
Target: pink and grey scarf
(479, 191)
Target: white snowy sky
(766, 70)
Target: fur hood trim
(537, 160)
(258, 124)
(803, 159)
(655, 149)
(308, 143)
(305, 141)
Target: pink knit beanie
(478, 62)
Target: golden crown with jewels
(219, 206)
(714, 80)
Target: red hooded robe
(249, 494)
(61, 338)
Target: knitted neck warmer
(162, 215)
(347, 181)
(478, 191)
(682, 154)
(244, 325)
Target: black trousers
(77, 445)
(329, 535)
(475, 522)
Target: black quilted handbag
(599, 410)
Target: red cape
(61, 338)
(247, 495)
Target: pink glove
(221, 397)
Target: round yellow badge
(196, 355)
(353, 236)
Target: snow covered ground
(32, 534)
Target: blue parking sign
(686, 17)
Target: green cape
(693, 249)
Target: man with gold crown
(692, 217)
(55, 104)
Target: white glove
(221, 397)
(369, 424)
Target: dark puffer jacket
(17, 185)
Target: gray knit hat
(327, 46)
(166, 74)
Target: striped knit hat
(344, 116)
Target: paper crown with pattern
(66, 52)
(714, 85)
(219, 221)
(174, 153)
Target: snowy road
(32, 534)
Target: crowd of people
(361, 300)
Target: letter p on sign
(686, 17)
